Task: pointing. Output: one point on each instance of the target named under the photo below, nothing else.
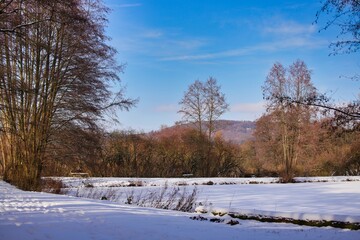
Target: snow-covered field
(150, 182)
(326, 198)
(31, 215)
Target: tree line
(323, 150)
(290, 139)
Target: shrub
(51, 185)
(286, 178)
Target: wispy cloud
(129, 5)
(279, 45)
(290, 28)
(281, 35)
(151, 33)
(189, 44)
(295, 6)
(171, 45)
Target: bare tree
(202, 104)
(216, 104)
(54, 73)
(193, 105)
(290, 119)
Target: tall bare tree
(54, 72)
(193, 105)
(290, 119)
(215, 102)
(202, 104)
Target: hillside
(234, 131)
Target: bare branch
(24, 25)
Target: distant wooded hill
(234, 131)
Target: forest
(56, 69)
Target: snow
(150, 182)
(325, 198)
(338, 201)
(33, 215)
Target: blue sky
(168, 44)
